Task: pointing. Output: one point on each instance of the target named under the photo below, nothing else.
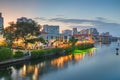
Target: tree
(9, 34)
(27, 29)
(23, 29)
(34, 40)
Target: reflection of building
(1, 23)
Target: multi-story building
(51, 29)
(84, 31)
(105, 37)
(67, 32)
(1, 23)
(75, 31)
(50, 33)
(93, 31)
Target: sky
(101, 14)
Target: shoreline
(28, 58)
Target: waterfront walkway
(15, 60)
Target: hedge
(5, 54)
(18, 54)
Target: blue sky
(102, 14)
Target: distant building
(84, 31)
(50, 33)
(67, 32)
(75, 31)
(105, 37)
(24, 19)
(1, 23)
(93, 31)
(51, 29)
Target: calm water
(101, 63)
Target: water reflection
(24, 70)
(59, 62)
(34, 71)
(35, 74)
(5, 74)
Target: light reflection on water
(37, 70)
(29, 71)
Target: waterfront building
(51, 29)
(93, 31)
(105, 37)
(67, 32)
(75, 31)
(50, 33)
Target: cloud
(101, 18)
(102, 24)
(40, 18)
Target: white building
(50, 33)
(51, 29)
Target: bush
(37, 53)
(84, 46)
(41, 53)
(69, 49)
(18, 54)
(5, 53)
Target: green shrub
(5, 53)
(37, 53)
(40, 53)
(69, 49)
(34, 54)
(18, 54)
(84, 46)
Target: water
(101, 63)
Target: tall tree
(27, 29)
(23, 29)
(9, 33)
